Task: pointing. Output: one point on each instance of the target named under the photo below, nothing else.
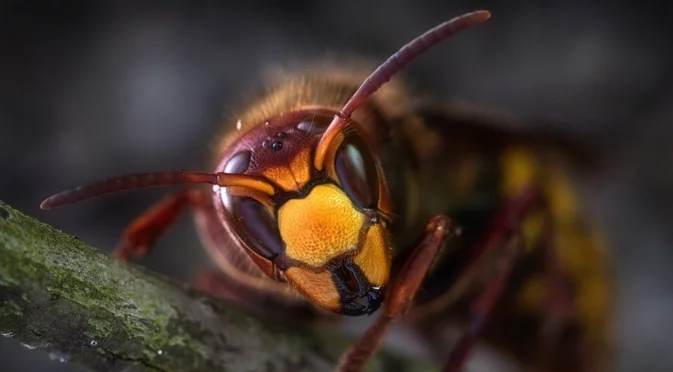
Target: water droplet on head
(160, 352)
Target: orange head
(322, 231)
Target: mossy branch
(62, 296)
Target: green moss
(10, 307)
(66, 297)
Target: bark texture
(62, 296)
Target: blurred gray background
(95, 89)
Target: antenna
(155, 179)
(389, 68)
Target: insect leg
(400, 294)
(141, 234)
(485, 302)
(505, 229)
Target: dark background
(94, 89)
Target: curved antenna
(389, 68)
(154, 179)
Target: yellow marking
(519, 171)
(374, 258)
(300, 167)
(533, 295)
(282, 176)
(232, 180)
(292, 177)
(319, 227)
(562, 200)
(326, 143)
(579, 248)
(531, 230)
(330, 157)
(571, 250)
(591, 300)
(318, 287)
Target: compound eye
(252, 222)
(256, 227)
(238, 163)
(356, 171)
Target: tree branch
(62, 296)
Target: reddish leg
(484, 304)
(504, 230)
(143, 232)
(400, 295)
(509, 219)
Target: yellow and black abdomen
(579, 303)
(537, 320)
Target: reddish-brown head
(306, 200)
(323, 231)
